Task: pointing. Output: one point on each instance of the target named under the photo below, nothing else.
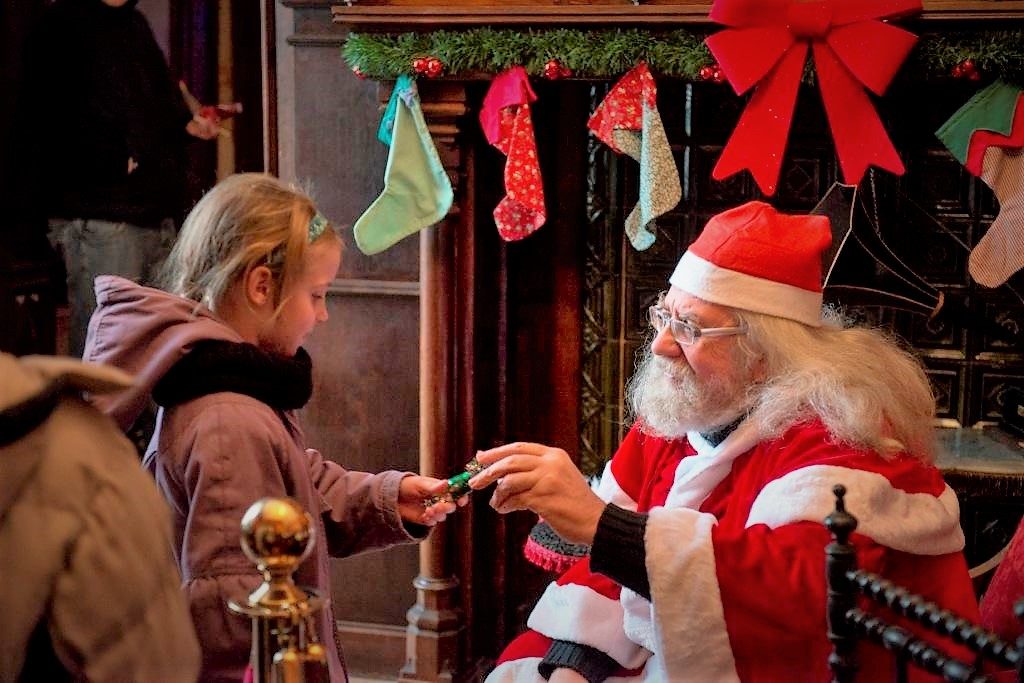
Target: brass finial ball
(277, 532)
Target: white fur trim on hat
(725, 287)
(582, 615)
(917, 523)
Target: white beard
(669, 400)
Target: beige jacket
(85, 542)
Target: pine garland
(607, 53)
(598, 54)
(996, 54)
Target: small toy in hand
(214, 112)
(458, 485)
(219, 112)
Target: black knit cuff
(589, 662)
(618, 551)
(417, 531)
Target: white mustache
(678, 370)
(667, 395)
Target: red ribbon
(766, 45)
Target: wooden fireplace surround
(450, 407)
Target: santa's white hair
(864, 386)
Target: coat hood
(34, 376)
(144, 331)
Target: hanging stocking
(417, 191)
(1000, 253)
(505, 118)
(628, 121)
(987, 136)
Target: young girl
(220, 352)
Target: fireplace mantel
(413, 16)
(469, 335)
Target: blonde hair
(867, 390)
(246, 220)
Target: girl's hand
(412, 494)
(532, 476)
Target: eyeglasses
(685, 332)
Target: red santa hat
(754, 258)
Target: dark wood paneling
(364, 415)
(337, 153)
(30, 278)
(247, 130)
(929, 218)
(372, 650)
(529, 350)
(193, 59)
(364, 411)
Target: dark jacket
(96, 92)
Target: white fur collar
(917, 523)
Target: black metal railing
(847, 623)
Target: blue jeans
(95, 247)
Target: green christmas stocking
(987, 135)
(417, 191)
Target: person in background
(90, 589)
(221, 353)
(707, 544)
(104, 130)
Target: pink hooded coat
(215, 455)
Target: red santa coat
(735, 558)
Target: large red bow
(766, 45)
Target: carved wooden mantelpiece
(434, 621)
(410, 15)
(457, 384)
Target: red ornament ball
(966, 69)
(718, 76)
(419, 65)
(554, 70)
(706, 73)
(359, 73)
(435, 67)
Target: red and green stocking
(987, 136)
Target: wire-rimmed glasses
(685, 332)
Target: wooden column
(432, 636)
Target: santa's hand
(532, 476)
(413, 491)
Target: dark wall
(28, 267)
(365, 408)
